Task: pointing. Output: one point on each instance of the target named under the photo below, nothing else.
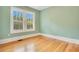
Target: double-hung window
(21, 20)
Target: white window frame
(12, 30)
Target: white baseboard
(62, 38)
(2, 41)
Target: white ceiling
(39, 7)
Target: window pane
(18, 26)
(17, 15)
(29, 21)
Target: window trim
(24, 29)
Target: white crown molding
(70, 40)
(39, 7)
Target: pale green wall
(0, 23)
(5, 22)
(61, 21)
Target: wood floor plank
(61, 47)
(72, 48)
(42, 44)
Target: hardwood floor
(42, 44)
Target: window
(21, 20)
